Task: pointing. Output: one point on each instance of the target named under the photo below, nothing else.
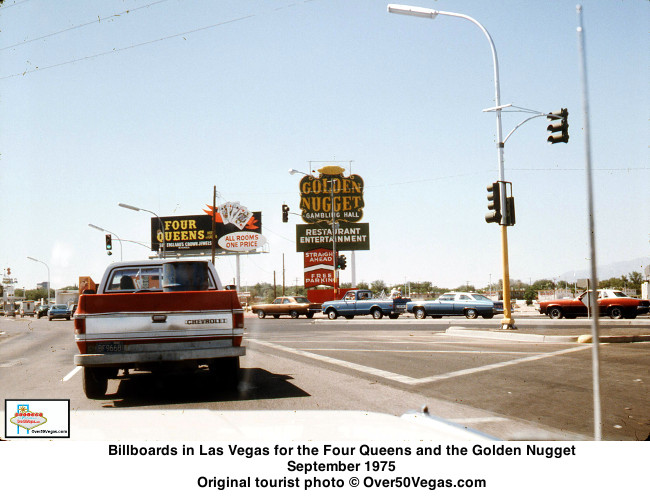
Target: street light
(48, 277)
(162, 229)
(507, 322)
(109, 232)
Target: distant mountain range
(605, 272)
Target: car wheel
(294, 314)
(555, 313)
(488, 316)
(616, 312)
(377, 314)
(471, 313)
(310, 315)
(95, 381)
(331, 314)
(420, 313)
(261, 314)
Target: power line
(98, 20)
(141, 44)
(18, 2)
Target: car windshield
(60, 307)
(301, 300)
(480, 297)
(619, 294)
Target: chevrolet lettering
(206, 321)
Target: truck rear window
(169, 277)
(186, 276)
(132, 279)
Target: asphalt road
(502, 386)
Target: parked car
(41, 310)
(363, 302)
(469, 304)
(294, 306)
(58, 311)
(614, 303)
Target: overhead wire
(149, 42)
(75, 27)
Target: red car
(614, 303)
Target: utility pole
(334, 261)
(214, 226)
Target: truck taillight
(238, 320)
(79, 325)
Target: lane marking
(417, 351)
(12, 363)
(477, 420)
(71, 373)
(407, 380)
(337, 362)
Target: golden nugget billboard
(331, 190)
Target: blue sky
(156, 106)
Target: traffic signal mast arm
(560, 115)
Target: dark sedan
(469, 304)
(42, 310)
(58, 311)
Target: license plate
(109, 347)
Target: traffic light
(109, 243)
(510, 211)
(341, 262)
(285, 213)
(559, 127)
(494, 203)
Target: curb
(497, 334)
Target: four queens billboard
(193, 233)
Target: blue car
(469, 304)
(58, 311)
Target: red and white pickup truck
(156, 315)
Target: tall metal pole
(593, 299)
(335, 273)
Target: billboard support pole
(214, 214)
